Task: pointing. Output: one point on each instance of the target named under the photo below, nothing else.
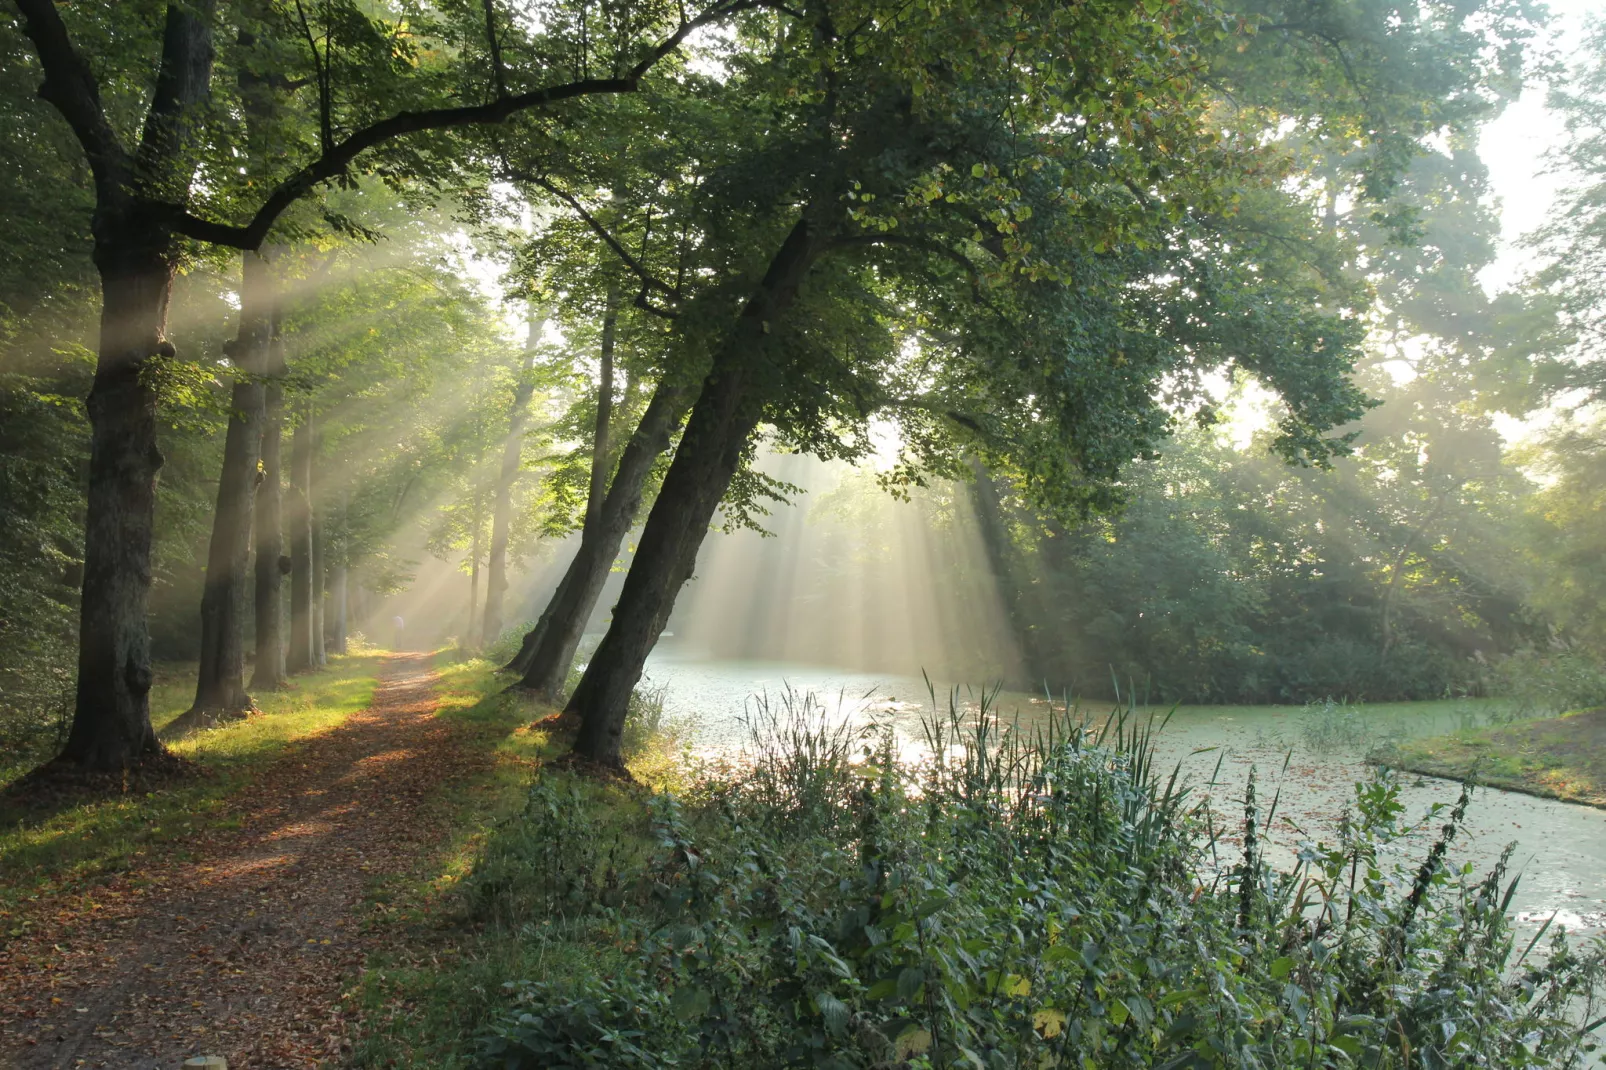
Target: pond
(1308, 760)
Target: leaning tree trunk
(299, 524)
(502, 512)
(271, 564)
(550, 647)
(220, 686)
(711, 449)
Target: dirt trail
(242, 951)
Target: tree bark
(111, 726)
(502, 513)
(550, 646)
(335, 635)
(319, 656)
(220, 686)
(271, 564)
(600, 448)
(717, 437)
(135, 257)
(469, 640)
(336, 638)
(299, 524)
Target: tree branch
(339, 156)
(649, 281)
(71, 89)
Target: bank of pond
(868, 881)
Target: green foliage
(1003, 903)
(1552, 679)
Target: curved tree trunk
(549, 648)
(298, 522)
(271, 564)
(220, 686)
(716, 438)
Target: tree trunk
(299, 524)
(111, 726)
(134, 257)
(717, 437)
(335, 635)
(1007, 580)
(502, 512)
(549, 648)
(474, 568)
(336, 640)
(271, 564)
(599, 440)
(319, 657)
(220, 687)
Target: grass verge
(59, 852)
(1554, 758)
(439, 982)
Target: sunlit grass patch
(1553, 757)
(443, 981)
(63, 851)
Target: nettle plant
(1017, 901)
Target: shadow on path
(244, 950)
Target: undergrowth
(1003, 901)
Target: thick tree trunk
(220, 686)
(298, 521)
(271, 564)
(112, 719)
(717, 436)
(550, 646)
(502, 512)
(134, 256)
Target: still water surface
(1561, 847)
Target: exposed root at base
(587, 767)
(59, 783)
(557, 722)
(197, 719)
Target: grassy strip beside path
(1555, 758)
(422, 1002)
(50, 853)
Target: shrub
(1545, 682)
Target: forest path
(244, 949)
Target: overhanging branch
(339, 156)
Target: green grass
(1553, 757)
(441, 981)
(67, 851)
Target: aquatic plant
(1332, 725)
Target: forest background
(1413, 552)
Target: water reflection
(1561, 850)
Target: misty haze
(841, 533)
